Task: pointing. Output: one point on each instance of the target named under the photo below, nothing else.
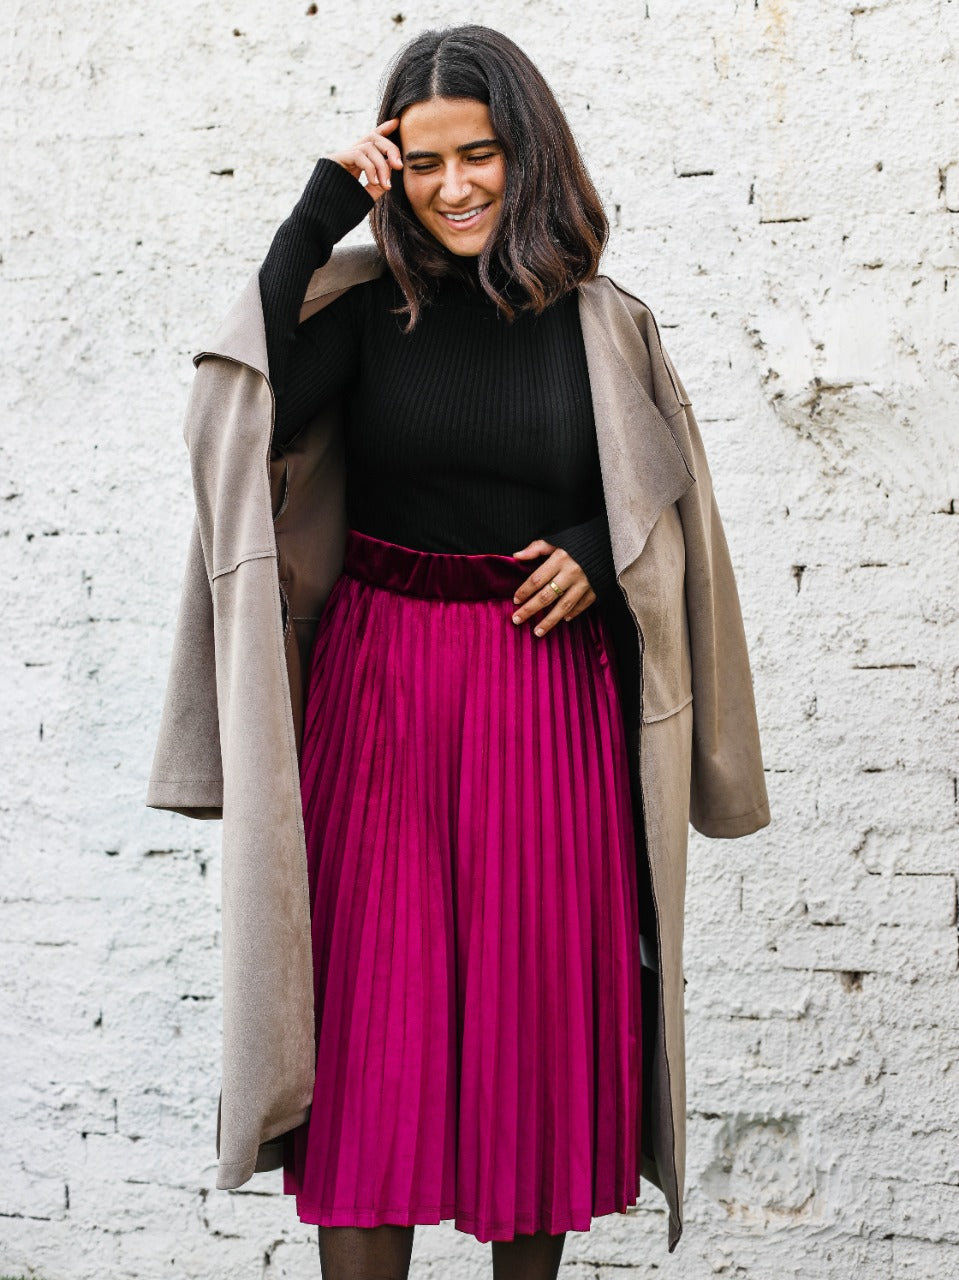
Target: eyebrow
(467, 146)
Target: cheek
(417, 195)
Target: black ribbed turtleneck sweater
(470, 434)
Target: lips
(466, 222)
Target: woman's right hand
(375, 155)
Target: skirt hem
(553, 1224)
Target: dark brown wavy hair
(552, 227)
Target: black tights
(383, 1253)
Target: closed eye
(422, 168)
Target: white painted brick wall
(783, 179)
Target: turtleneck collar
(462, 283)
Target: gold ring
(559, 590)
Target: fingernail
(515, 599)
(516, 617)
(539, 631)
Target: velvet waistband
(437, 575)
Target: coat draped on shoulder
(266, 546)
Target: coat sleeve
(727, 784)
(187, 773)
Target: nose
(455, 185)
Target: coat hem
(740, 824)
(231, 1174)
(675, 1233)
(193, 797)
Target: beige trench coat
(267, 545)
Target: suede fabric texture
(267, 545)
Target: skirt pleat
(473, 895)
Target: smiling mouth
(468, 219)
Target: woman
(497, 774)
(470, 833)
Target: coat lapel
(349, 265)
(643, 468)
(242, 335)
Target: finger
(387, 145)
(541, 575)
(571, 594)
(581, 605)
(374, 164)
(355, 161)
(389, 149)
(558, 613)
(543, 596)
(367, 159)
(538, 547)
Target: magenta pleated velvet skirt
(474, 907)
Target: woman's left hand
(535, 593)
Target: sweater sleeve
(333, 203)
(589, 545)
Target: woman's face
(453, 164)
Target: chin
(465, 251)
(461, 248)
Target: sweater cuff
(589, 545)
(333, 201)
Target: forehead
(443, 124)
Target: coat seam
(232, 568)
(664, 715)
(187, 781)
(731, 817)
(236, 1164)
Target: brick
(880, 948)
(921, 800)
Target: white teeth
(462, 217)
